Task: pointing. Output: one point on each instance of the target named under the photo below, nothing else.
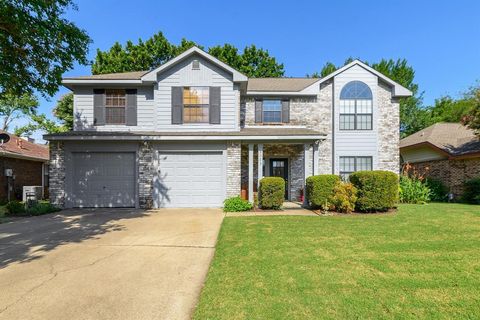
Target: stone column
(56, 174)
(315, 158)
(145, 175)
(234, 174)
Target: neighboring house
(193, 131)
(449, 152)
(22, 163)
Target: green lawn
(420, 263)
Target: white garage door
(189, 179)
(103, 179)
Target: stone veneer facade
(453, 173)
(146, 171)
(233, 169)
(388, 130)
(57, 173)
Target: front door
(279, 168)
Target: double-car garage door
(182, 179)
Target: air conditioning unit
(32, 193)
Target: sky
(439, 39)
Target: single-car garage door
(103, 179)
(189, 179)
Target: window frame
(196, 105)
(280, 111)
(355, 165)
(117, 107)
(356, 115)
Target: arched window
(356, 106)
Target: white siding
(358, 142)
(83, 111)
(421, 154)
(182, 75)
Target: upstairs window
(356, 107)
(115, 102)
(348, 165)
(196, 103)
(272, 111)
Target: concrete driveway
(106, 264)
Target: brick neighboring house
(28, 162)
(449, 152)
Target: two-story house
(194, 131)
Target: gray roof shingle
(280, 84)
(134, 75)
(453, 138)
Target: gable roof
(280, 84)
(454, 139)
(398, 89)
(20, 148)
(152, 75)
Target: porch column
(305, 168)
(250, 172)
(315, 157)
(260, 164)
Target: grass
(420, 263)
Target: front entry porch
(293, 161)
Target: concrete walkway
(106, 264)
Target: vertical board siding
(356, 142)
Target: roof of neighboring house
(452, 138)
(245, 132)
(134, 75)
(20, 148)
(279, 84)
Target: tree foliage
(64, 111)
(149, 54)
(14, 107)
(472, 117)
(37, 45)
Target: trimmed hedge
(272, 193)
(377, 190)
(319, 190)
(236, 204)
(17, 209)
(471, 193)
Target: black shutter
(98, 107)
(177, 105)
(215, 105)
(131, 108)
(285, 111)
(258, 111)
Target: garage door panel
(189, 179)
(104, 179)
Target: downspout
(333, 125)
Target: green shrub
(377, 190)
(236, 204)
(438, 190)
(413, 190)
(15, 208)
(344, 198)
(320, 190)
(471, 193)
(272, 193)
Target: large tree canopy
(37, 45)
(13, 107)
(149, 54)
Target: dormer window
(356, 107)
(196, 65)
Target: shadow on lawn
(29, 239)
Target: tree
(149, 54)
(472, 118)
(39, 122)
(13, 107)
(64, 111)
(37, 45)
